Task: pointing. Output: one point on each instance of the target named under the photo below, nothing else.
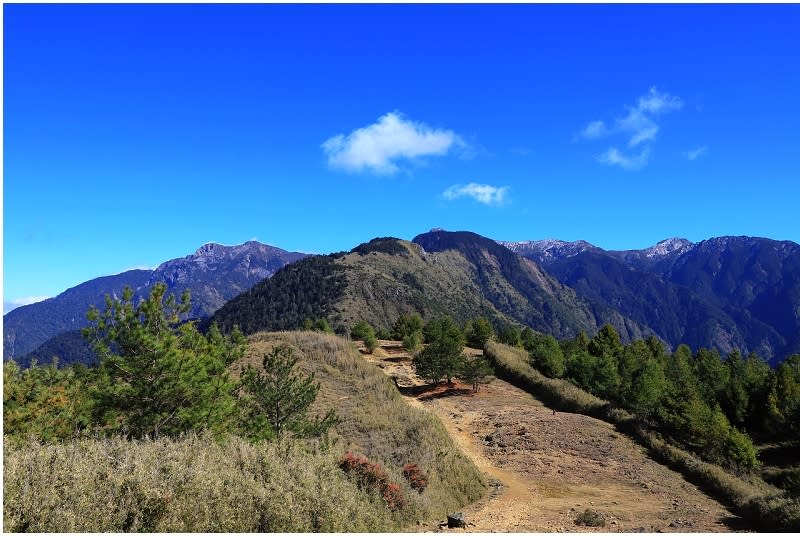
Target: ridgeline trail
(545, 469)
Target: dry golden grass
(199, 484)
(193, 484)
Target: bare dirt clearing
(546, 468)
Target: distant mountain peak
(212, 249)
(668, 246)
(215, 250)
(215, 273)
(549, 248)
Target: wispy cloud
(638, 125)
(378, 147)
(656, 103)
(482, 193)
(697, 153)
(595, 129)
(614, 157)
(19, 302)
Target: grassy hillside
(377, 423)
(202, 484)
(193, 484)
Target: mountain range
(460, 274)
(732, 292)
(214, 274)
(729, 293)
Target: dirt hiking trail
(546, 468)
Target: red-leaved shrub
(371, 476)
(415, 476)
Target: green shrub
(364, 332)
(413, 341)
(478, 332)
(512, 364)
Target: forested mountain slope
(462, 275)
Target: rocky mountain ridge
(214, 274)
(730, 292)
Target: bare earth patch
(546, 469)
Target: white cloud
(19, 302)
(482, 193)
(697, 153)
(377, 147)
(138, 267)
(656, 103)
(595, 129)
(614, 157)
(638, 126)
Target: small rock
(456, 520)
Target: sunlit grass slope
(202, 484)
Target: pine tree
(276, 399)
(511, 336)
(478, 332)
(476, 371)
(546, 355)
(158, 376)
(443, 357)
(407, 325)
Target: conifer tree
(475, 371)
(443, 357)
(478, 332)
(276, 399)
(546, 356)
(158, 375)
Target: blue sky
(136, 133)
